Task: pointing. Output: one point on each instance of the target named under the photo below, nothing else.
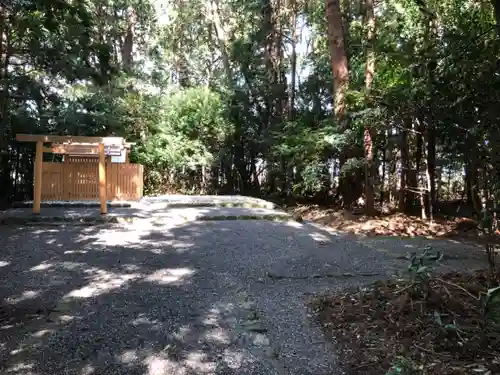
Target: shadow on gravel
(161, 300)
(110, 300)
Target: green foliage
(404, 366)
(212, 88)
(420, 269)
(492, 307)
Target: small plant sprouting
(420, 268)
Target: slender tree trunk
(382, 181)
(496, 6)
(340, 72)
(405, 166)
(214, 12)
(293, 63)
(431, 168)
(128, 43)
(338, 57)
(368, 132)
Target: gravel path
(197, 297)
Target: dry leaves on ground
(397, 224)
(442, 332)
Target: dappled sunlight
(26, 295)
(88, 370)
(182, 333)
(160, 365)
(43, 332)
(234, 358)
(218, 336)
(128, 357)
(68, 252)
(319, 237)
(293, 224)
(42, 267)
(103, 282)
(169, 275)
(199, 362)
(143, 320)
(22, 368)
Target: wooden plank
(83, 150)
(102, 180)
(38, 178)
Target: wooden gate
(79, 180)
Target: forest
(384, 102)
(369, 105)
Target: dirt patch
(397, 224)
(392, 327)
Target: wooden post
(37, 194)
(102, 180)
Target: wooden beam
(102, 180)
(69, 139)
(37, 195)
(73, 149)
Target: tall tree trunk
(368, 132)
(214, 12)
(128, 42)
(293, 62)
(340, 72)
(496, 6)
(431, 168)
(338, 57)
(405, 166)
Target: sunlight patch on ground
(199, 362)
(22, 368)
(42, 267)
(145, 321)
(182, 333)
(128, 357)
(87, 370)
(293, 224)
(319, 237)
(217, 335)
(162, 366)
(234, 359)
(27, 294)
(42, 332)
(75, 252)
(169, 275)
(101, 283)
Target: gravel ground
(214, 297)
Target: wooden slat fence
(79, 179)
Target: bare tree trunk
(405, 166)
(214, 12)
(338, 57)
(293, 62)
(340, 71)
(431, 169)
(128, 43)
(496, 6)
(368, 132)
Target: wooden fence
(79, 180)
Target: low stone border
(60, 220)
(219, 204)
(210, 201)
(270, 217)
(70, 204)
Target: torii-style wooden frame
(72, 145)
